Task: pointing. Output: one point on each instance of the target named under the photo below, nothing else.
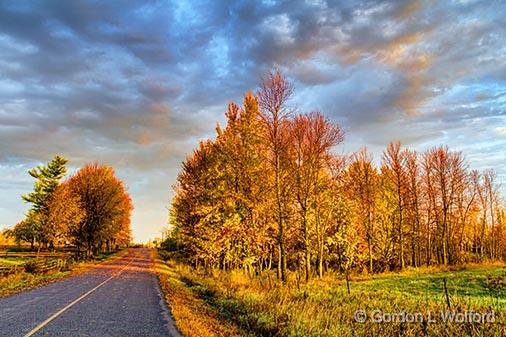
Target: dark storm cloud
(137, 84)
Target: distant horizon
(137, 86)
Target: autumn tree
(445, 173)
(64, 214)
(488, 199)
(270, 184)
(196, 210)
(241, 166)
(47, 179)
(106, 207)
(222, 193)
(362, 184)
(412, 204)
(6, 237)
(274, 93)
(332, 216)
(313, 137)
(26, 230)
(394, 161)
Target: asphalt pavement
(118, 298)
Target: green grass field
(262, 306)
(12, 261)
(476, 286)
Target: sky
(136, 84)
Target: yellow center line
(61, 311)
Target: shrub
(33, 266)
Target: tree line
(90, 210)
(270, 192)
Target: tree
(332, 217)
(394, 161)
(26, 230)
(47, 179)
(196, 210)
(445, 174)
(488, 198)
(274, 93)
(269, 183)
(106, 207)
(241, 167)
(6, 237)
(412, 203)
(362, 183)
(64, 214)
(312, 138)
(221, 193)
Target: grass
(192, 315)
(13, 283)
(241, 306)
(12, 261)
(473, 286)
(103, 256)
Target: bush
(102, 256)
(170, 244)
(33, 266)
(164, 255)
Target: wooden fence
(36, 265)
(7, 253)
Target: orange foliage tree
(106, 208)
(269, 192)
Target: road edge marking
(77, 300)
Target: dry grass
(17, 282)
(232, 303)
(194, 318)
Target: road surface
(119, 298)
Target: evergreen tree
(47, 179)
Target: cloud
(501, 131)
(136, 85)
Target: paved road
(120, 298)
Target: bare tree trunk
(320, 261)
(348, 281)
(279, 263)
(401, 239)
(429, 248)
(307, 255)
(270, 258)
(281, 226)
(369, 248)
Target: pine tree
(47, 179)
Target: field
(12, 261)
(52, 264)
(412, 303)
